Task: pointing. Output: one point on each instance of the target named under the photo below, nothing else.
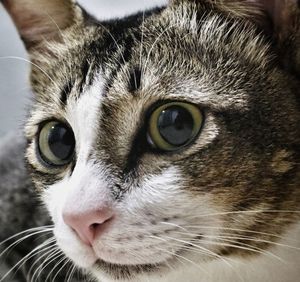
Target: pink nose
(88, 224)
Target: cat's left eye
(174, 125)
(56, 143)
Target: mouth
(126, 272)
(129, 271)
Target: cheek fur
(152, 217)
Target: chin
(163, 271)
(105, 271)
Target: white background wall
(14, 88)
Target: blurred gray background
(14, 87)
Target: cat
(165, 145)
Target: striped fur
(240, 178)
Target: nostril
(99, 228)
(94, 226)
(88, 225)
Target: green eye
(56, 143)
(174, 125)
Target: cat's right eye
(56, 143)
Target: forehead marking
(83, 114)
(135, 80)
(66, 92)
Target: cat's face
(152, 137)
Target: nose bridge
(87, 187)
(88, 204)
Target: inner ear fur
(40, 20)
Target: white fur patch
(82, 115)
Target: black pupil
(175, 125)
(61, 141)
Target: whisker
(33, 64)
(200, 247)
(256, 240)
(181, 257)
(154, 43)
(242, 247)
(37, 260)
(235, 237)
(55, 23)
(115, 41)
(73, 269)
(23, 239)
(68, 273)
(245, 212)
(63, 266)
(142, 41)
(182, 246)
(54, 255)
(47, 249)
(174, 225)
(28, 256)
(54, 267)
(51, 256)
(197, 251)
(235, 229)
(202, 250)
(25, 231)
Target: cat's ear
(283, 14)
(42, 20)
(279, 19)
(284, 27)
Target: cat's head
(154, 137)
